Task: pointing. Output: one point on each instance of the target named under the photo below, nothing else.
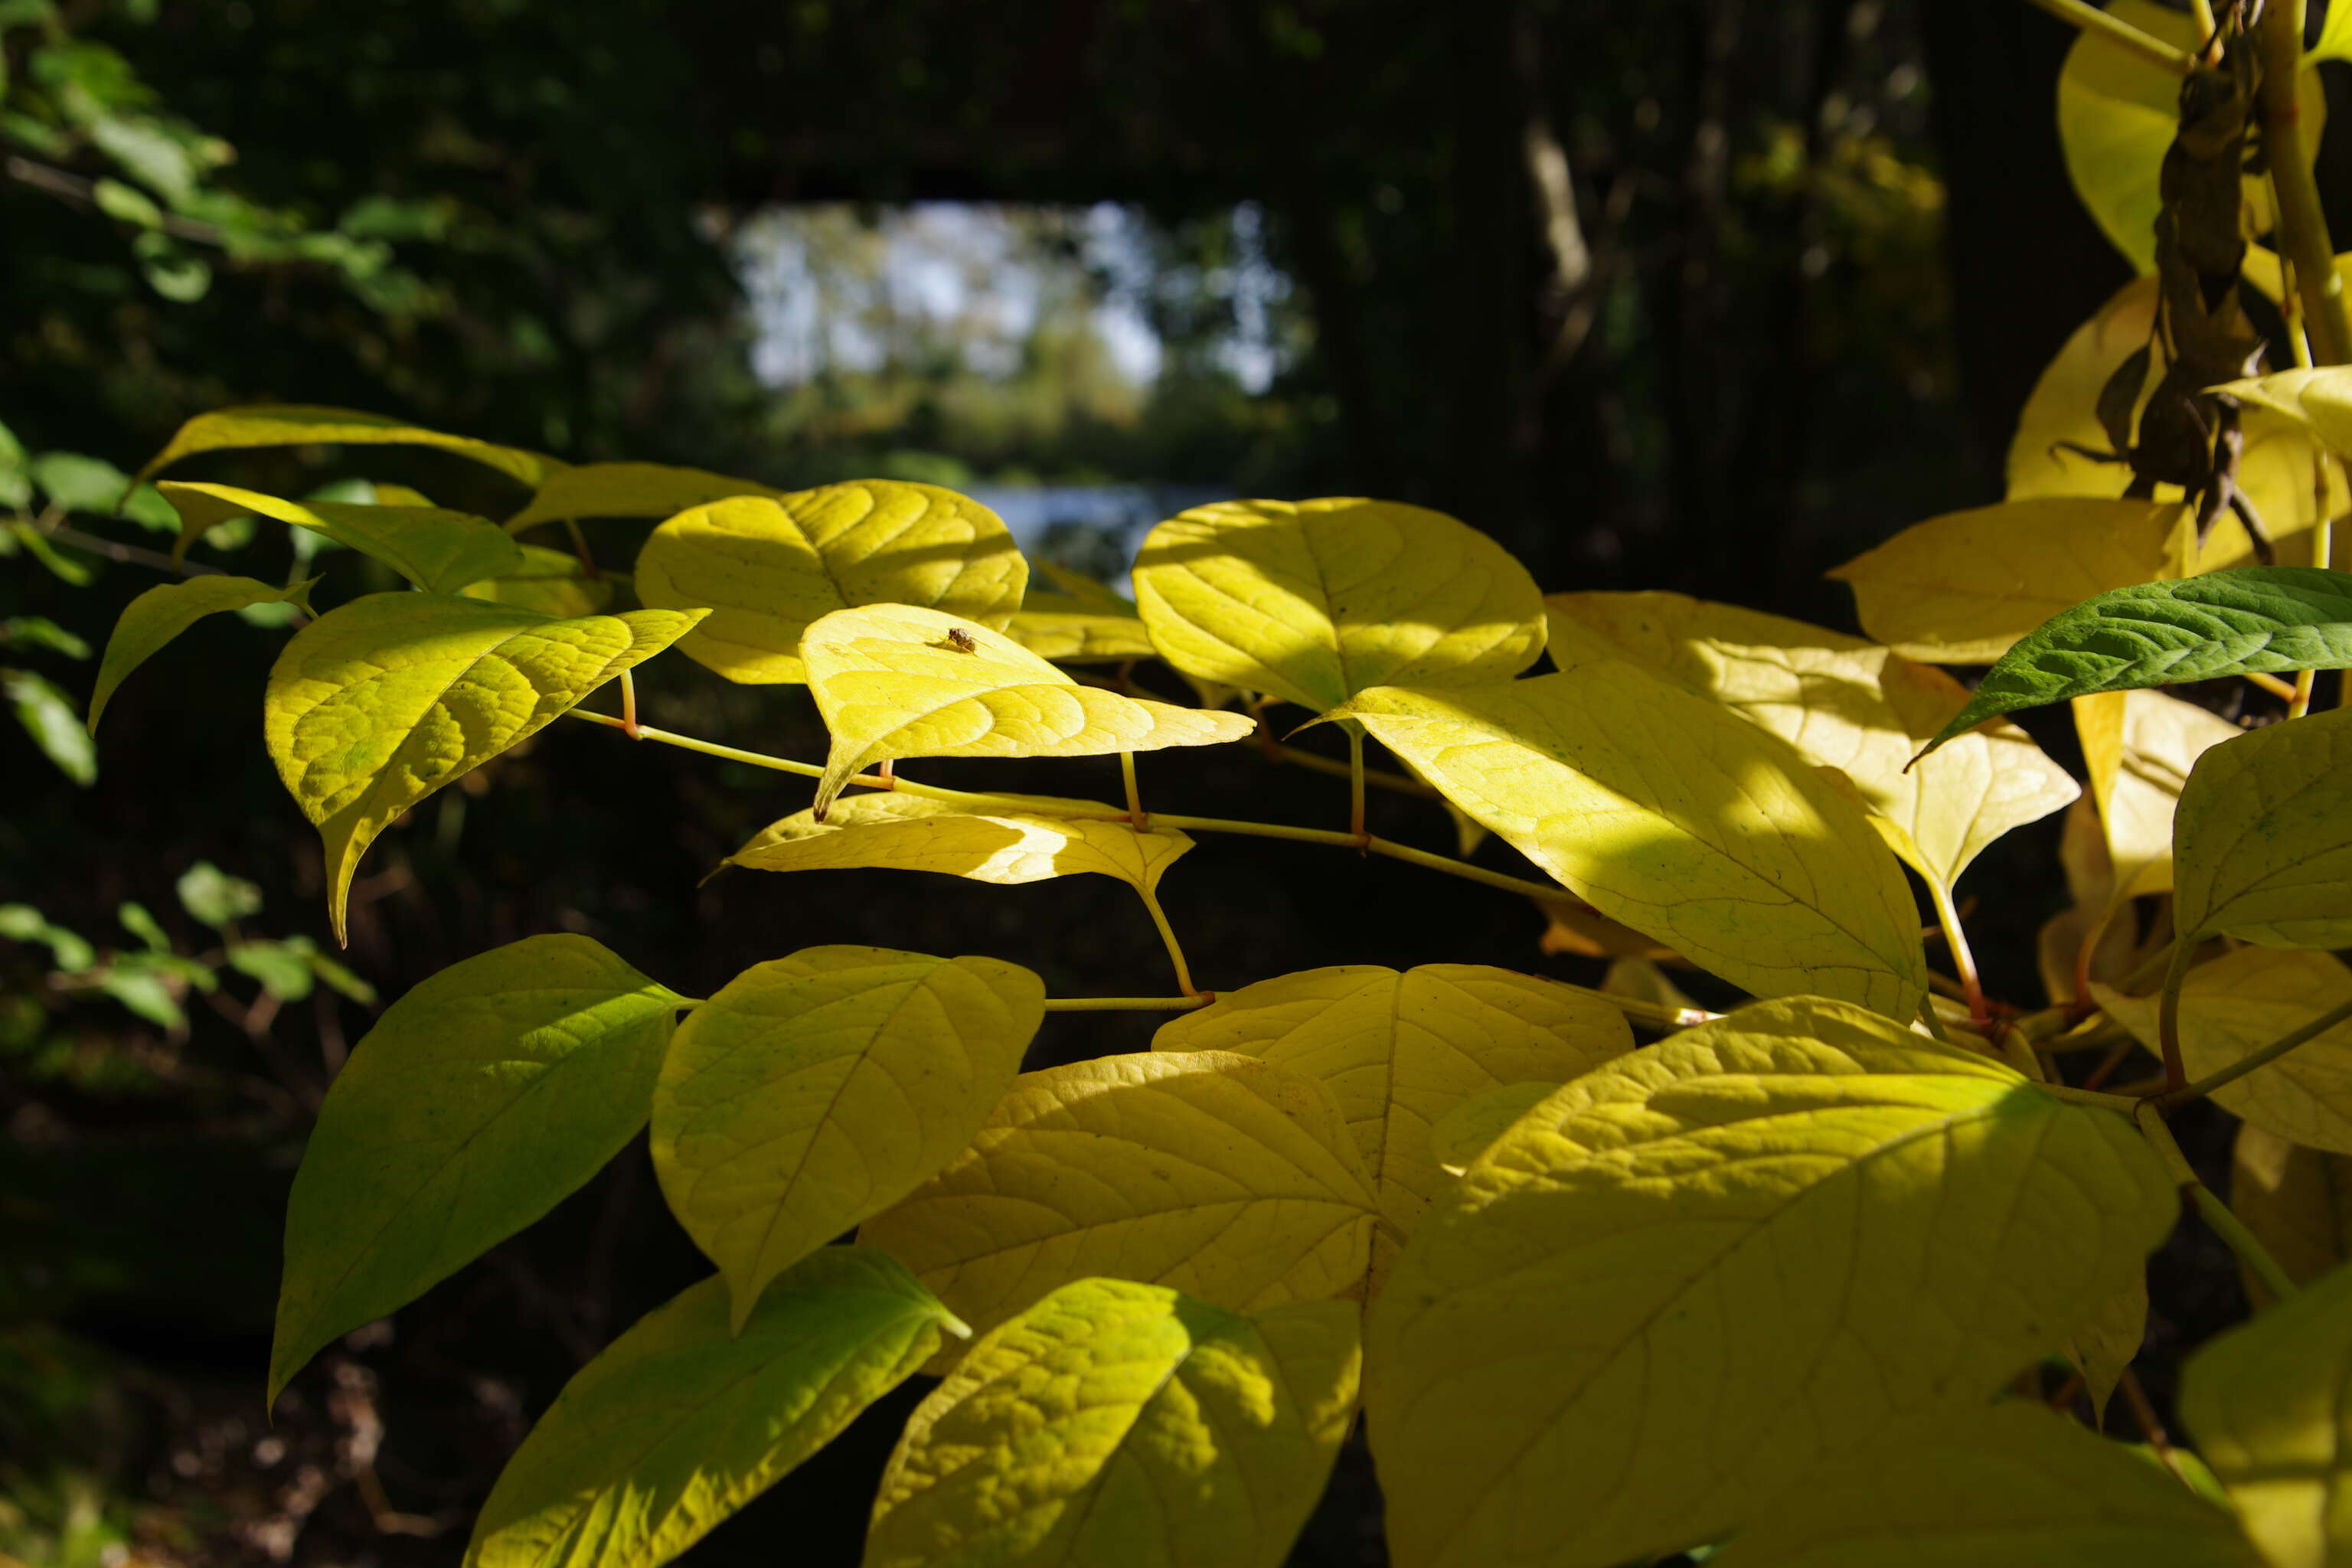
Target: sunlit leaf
(2270, 1403)
(379, 702)
(1216, 1174)
(626, 490)
(1398, 1051)
(439, 550)
(2139, 747)
(552, 582)
(908, 832)
(1315, 600)
(1073, 631)
(1963, 587)
(151, 620)
(478, 1101)
(2261, 842)
(2119, 110)
(1668, 813)
(2008, 1484)
(893, 680)
(1119, 1423)
(768, 567)
(1843, 703)
(2255, 619)
(680, 1421)
(814, 1090)
(2320, 400)
(302, 425)
(1761, 1241)
(2233, 1005)
(2296, 1200)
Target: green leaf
(1119, 1423)
(439, 550)
(304, 425)
(49, 717)
(93, 485)
(2296, 1201)
(1666, 813)
(379, 702)
(1315, 600)
(2010, 1484)
(478, 1101)
(908, 832)
(151, 620)
(812, 1092)
(2251, 620)
(144, 994)
(2270, 1403)
(140, 922)
(1216, 1174)
(70, 569)
(769, 566)
(627, 489)
(2261, 842)
(552, 582)
(1964, 587)
(1398, 1051)
(22, 922)
(1687, 1277)
(283, 971)
(680, 1422)
(214, 897)
(40, 631)
(893, 681)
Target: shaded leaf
(1471, 1128)
(439, 550)
(151, 620)
(908, 832)
(214, 897)
(49, 717)
(1119, 1423)
(2298, 1203)
(2261, 842)
(2139, 747)
(552, 582)
(304, 425)
(1070, 630)
(626, 490)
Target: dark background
(1810, 256)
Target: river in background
(1093, 529)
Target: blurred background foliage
(1704, 295)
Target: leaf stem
(1136, 814)
(2167, 1014)
(1126, 1003)
(1355, 779)
(1379, 778)
(629, 725)
(2302, 225)
(1949, 916)
(2091, 19)
(1167, 936)
(2216, 1214)
(2205, 1086)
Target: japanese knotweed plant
(1798, 1277)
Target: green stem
(1168, 937)
(2215, 1213)
(2091, 19)
(2168, 1015)
(2205, 1086)
(2302, 225)
(1948, 916)
(1125, 1004)
(1378, 778)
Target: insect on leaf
(379, 702)
(768, 566)
(479, 1099)
(1615, 1285)
(680, 1422)
(890, 683)
(1119, 1423)
(812, 1091)
(151, 620)
(1315, 600)
(910, 833)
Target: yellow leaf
(2262, 843)
(552, 582)
(1471, 1128)
(1667, 814)
(1642, 979)
(152, 619)
(627, 489)
(1687, 1277)
(1397, 1051)
(817, 1090)
(2106, 1345)
(2119, 111)
(893, 680)
(1095, 628)
(1121, 1424)
(768, 566)
(1315, 600)
(2009, 1485)
(1007, 848)
(2296, 1201)
(1842, 703)
(1214, 1174)
(1571, 927)
(379, 702)
(2139, 747)
(2270, 1403)
(1960, 588)
(2276, 470)
(439, 550)
(305, 424)
(2233, 1005)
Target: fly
(958, 640)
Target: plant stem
(2127, 1385)
(2168, 1015)
(2237, 1070)
(2091, 19)
(1167, 936)
(1377, 777)
(2216, 1214)
(2270, 683)
(1125, 1004)
(629, 725)
(2302, 225)
(1949, 916)
(1135, 812)
(1355, 779)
